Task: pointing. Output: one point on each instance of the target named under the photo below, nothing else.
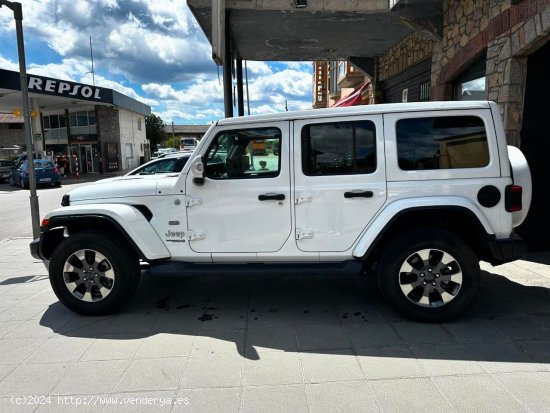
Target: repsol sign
(66, 89)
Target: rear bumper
(507, 250)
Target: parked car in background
(188, 144)
(163, 152)
(5, 169)
(171, 163)
(45, 171)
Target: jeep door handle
(271, 197)
(362, 194)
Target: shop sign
(66, 89)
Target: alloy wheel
(88, 275)
(430, 278)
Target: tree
(154, 129)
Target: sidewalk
(268, 344)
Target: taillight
(512, 198)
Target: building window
(424, 92)
(470, 85)
(334, 76)
(139, 123)
(128, 150)
(341, 148)
(445, 142)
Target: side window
(445, 142)
(339, 148)
(166, 165)
(245, 153)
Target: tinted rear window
(445, 142)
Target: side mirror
(197, 170)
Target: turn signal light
(45, 222)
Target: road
(15, 206)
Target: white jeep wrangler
(418, 192)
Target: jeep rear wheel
(92, 274)
(429, 275)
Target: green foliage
(173, 142)
(154, 127)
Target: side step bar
(178, 269)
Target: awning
(353, 99)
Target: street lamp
(18, 16)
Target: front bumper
(507, 250)
(35, 249)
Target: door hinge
(304, 234)
(195, 236)
(301, 198)
(192, 201)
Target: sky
(153, 51)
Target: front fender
(126, 217)
(394, 209)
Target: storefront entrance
(85, 158)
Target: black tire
(449, 283)
(121, 261)
(57, 184)
(11, 181)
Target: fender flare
(131, 223)
(392, 211)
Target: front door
(244, 205)
(340, 180)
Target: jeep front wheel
(429, 275)
(92, 274)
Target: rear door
(340, 180)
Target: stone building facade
(503, 44)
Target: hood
(119, 187)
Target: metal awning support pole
(240, 96)
(18, 16)
(227, 79)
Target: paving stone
(16, 350)
(313, 315)
(91, 377)
(502, 358)
(372, 335)
(72, 403)
(274, 399)
(11, 405)
(322, 337)
(409, 395)
(521, 327)
(422, 333)
(217, 400)
(531, 389)
(473, 331)
(152, 374)
(166, 345)
(538, 350)
(114, 347)
(131, 324)
(341, 397)
(273, 368)
(229, 342)
(389, 363)
(220, 370)
(446, 360)
(32, 379)
(260, 340)
(60, 350)
(477, 393)
(137, 402)
(331, 365)
(272, 316)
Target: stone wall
(408, 52)
(506, 32)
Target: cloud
(152, 51)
